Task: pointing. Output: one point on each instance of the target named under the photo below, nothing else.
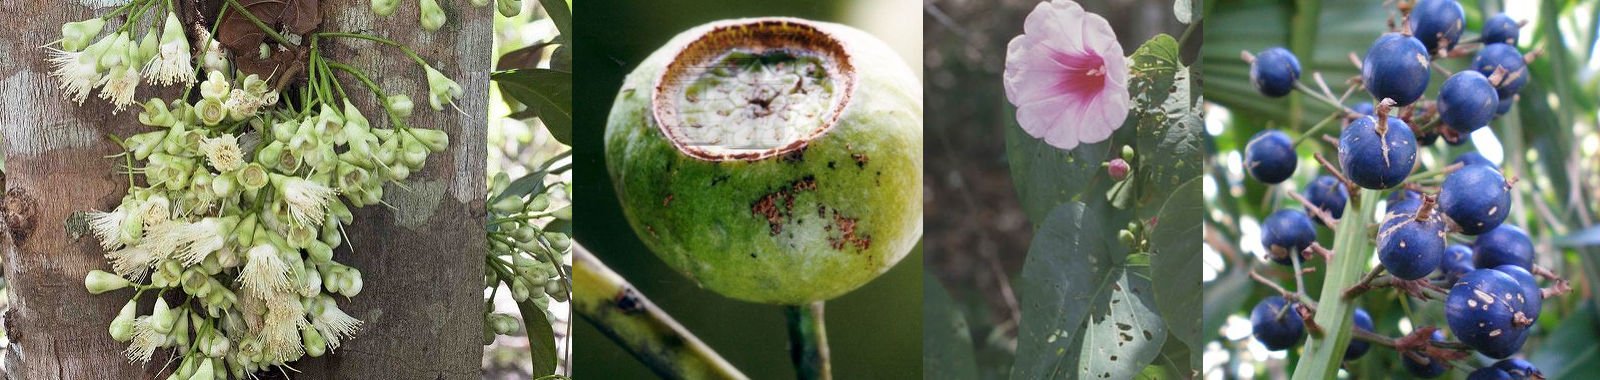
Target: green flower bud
(163, 317)
(116, 54)
(412, 153)
(210, 111)
(507, 205)
(1127, 152)
(351, 283)
(441, 89)
(432, 17)
(319, 253)
(519, 290)
(76, 35)
(147, 48)
(205, 370)
(558, 241)
(537, 204)
(215, 87)
(224, 185)
(156, 114)
(564, 213)
(99, 281)
(122, 325)
(435, 140)
(340, 211)
(143, 144)
(194, 280)
(330, 234)
(384, 7)
(509, 8)
(315, 344)
(504, 324)
(499, 183)
(400, 104)
(524, 234)
(555, 290)
(398, 172)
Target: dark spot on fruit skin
(848, 235)
(861, 159)
(719, 179)
(794, 156)
(778, 206)
(1148, 336)
(752, 255)
(1125, 337)
(628, 301)
(831, 165)
(1124, 326)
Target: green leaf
(532, 183)
(1046, 176)
(1168, 121)
(1080, 301)
(1176, 263)
(561, 14)
(547, 92)
(946, 342)
(541, 338)
(1571, 351)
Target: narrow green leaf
(1176, 263)
(541, 338)
(560, 12)
(1571, 351)
(946, 342)
(549, 92)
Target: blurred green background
(874, 332)
(1549, 140)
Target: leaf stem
(808, 341)
(372, 38)
(1323, 354)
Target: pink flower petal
(1067, 76)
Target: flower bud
(318, 252)
(519, 290)
(564, 213)
(215, 87)
(1118, 169)
(412, 153)
(509, 8)
(507, 205)
(537, 204)
(503, 324)
(163, 318)
(400, 104)
(314, 342)
(147, 49)
(224, 185)
(204, 371)
(441, 89)
(384, 7)
(555, 290)
(499, 183)
(143, 144)
(1127, 152)
(155, 114)
(351, 285)
(435, 140)
(76, 35)
(432, 16)
(99, 281)
(122, 325)
(558, 241)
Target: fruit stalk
(618, 309)
(808, 341)
(1352, 250)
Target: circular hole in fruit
(753, 90)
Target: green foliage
(547, 92)
(946, 345)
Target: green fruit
(771, 160)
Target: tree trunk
(421, 260)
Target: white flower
(77, 71)
(264, 274)
(118, 87)
(145, 340)
(107, 226)
(280, 334)
(189, 243)
(333, 323)
(215, 87)
(156, 209)
(223, 152)
(134, 262)
(172, 65)
(307, 201)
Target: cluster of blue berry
(1491, 294)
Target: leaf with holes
(1175, 263)
(1169, 121)
(946, 345)
(547, 92)
(1084, 313)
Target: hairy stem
(618, 309)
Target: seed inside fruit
(754, 90)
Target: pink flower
(1067, 76)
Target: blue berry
(1407, 206)
(1431, 368)
(1373, 160)
(1503, 245)
(1328, 194)
(1357, 348)
(1285, 233)
(1276, 324)
(1363, 108)
(1401, 195)
(1482, 309)
(1274, 72)
(1410, 248)
(1475, 198)
(1532, 296)
(1502, 56)
(1396, 68)
(1500, 29)
(1519, 369)
(1472, 157)
(1457, 262)
(1270, 156)
(1437, 23)
(1488, 373)
(1467, 101)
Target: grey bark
(421, 261)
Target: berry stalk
(1353, 249)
